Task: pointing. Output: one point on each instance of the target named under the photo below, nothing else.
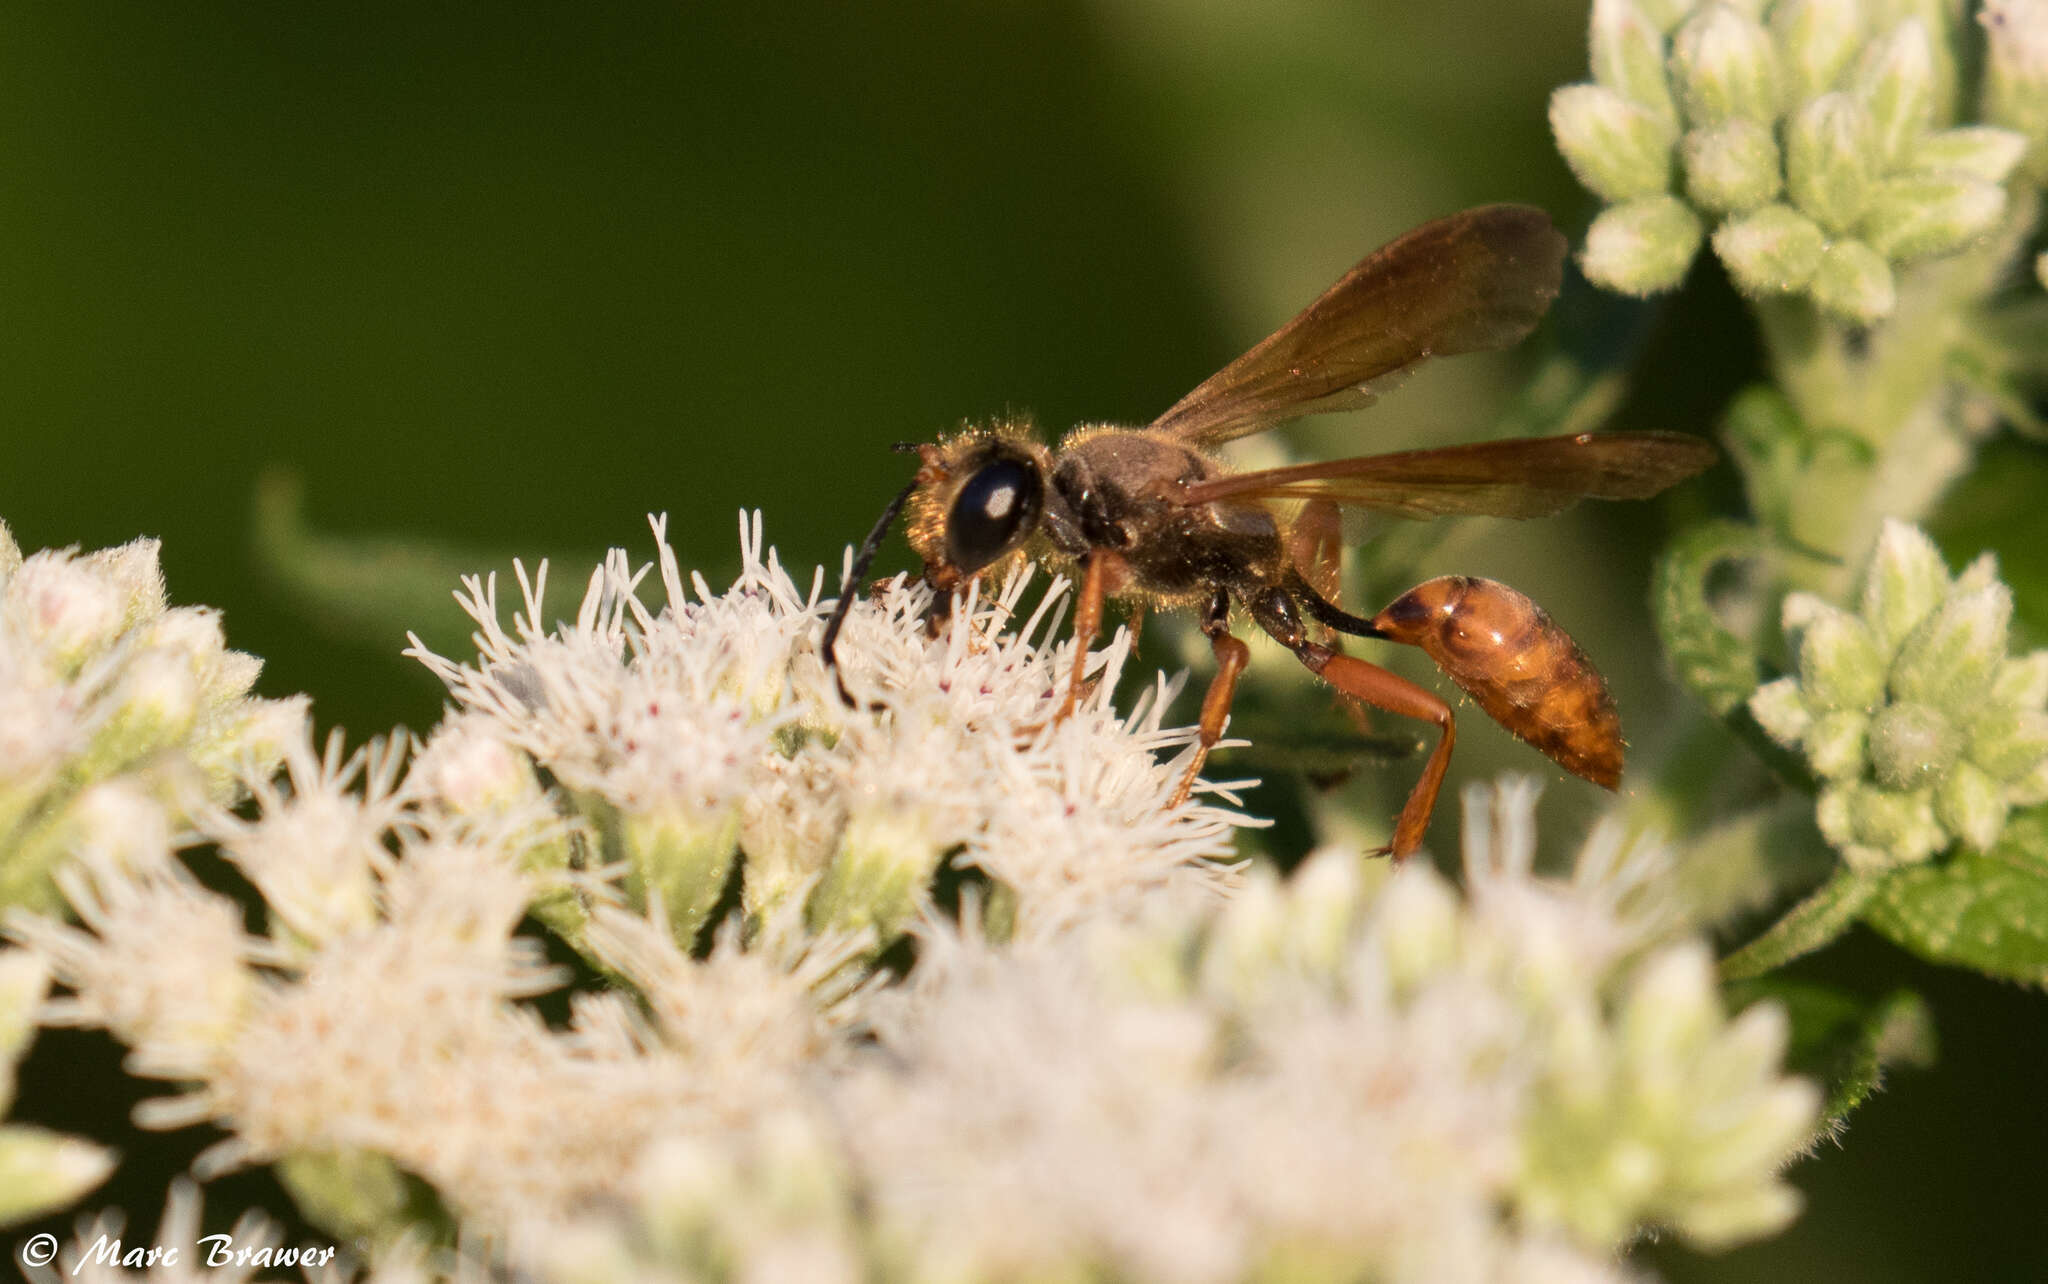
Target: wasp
(1152, 516)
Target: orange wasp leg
(1231, 657)
(1383, 690)
(1097, 570)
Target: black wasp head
(995, 509)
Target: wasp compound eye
(996, 508)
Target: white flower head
(677, 727)
(317, 847)
(158, 960)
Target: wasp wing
(1472, 282)
(1524, 477)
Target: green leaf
(1845, 1041)
(374, 589)
(1814, 922)
(1986, 912)
(1301, 731)
(1719, 668)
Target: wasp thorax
(996, 507)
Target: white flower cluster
(1223, 1095)
(1097, 1066)
(712, 728)
(110, 701)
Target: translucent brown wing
(1525, 477)
(1471, 282)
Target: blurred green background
(501, 280)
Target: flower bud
(1772, 251)
(1840, 664)
(1835, 812)
(1949, 661)
(134, 570)
(1896, 84)
(46, 1172)
(10, 556)
(64, 607)
(1419, 924)
(1976, 151)
(1912, 745)
(1725, 67)
(118, 824)
(682, 860)
(2031, 789)
(1921, 217)
(1325, 896)
(1665, 14)
(1981, 573)
(2023, 681)
(1901, 826)
(1817, 38)
(789, 828)
(1830, 159)
(1642, 247)
(1775, 1124)
(1836, 746)
(2007, 742)
(1617, 149)
(1671, 1007)
(1628, 57)
(1246, 946)
(886, 855)
(193, 632)
(1854, 282)
(1781, 711)
(1972, 806)
(1906, 581)
(469, 768)
(249, 745)
(154, 704)
(1731, 166)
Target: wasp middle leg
(1231, 657)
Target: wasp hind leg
(1231, 657)
(1277, 614)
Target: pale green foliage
(1923, 729)
(1841, 110)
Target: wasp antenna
(861, 561)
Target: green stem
(1885, 438)
(1812, 923)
